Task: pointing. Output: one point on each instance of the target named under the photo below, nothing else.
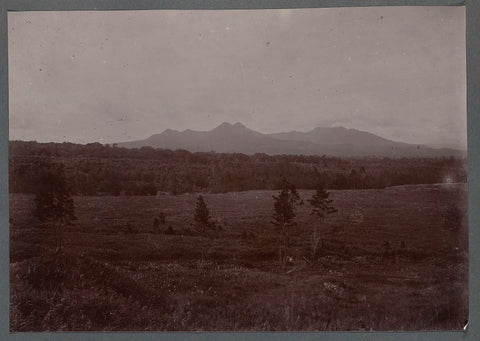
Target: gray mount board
(472, 331)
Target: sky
(113, 76)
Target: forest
(96, 169)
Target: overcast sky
(112, 76)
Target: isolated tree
(54, 206)
(202, 214)
(284, 207)
(285, 204)
(284, 211)
(321, 208)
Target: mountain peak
(170, 131)
(239, 125)
(229, 126)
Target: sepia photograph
(238, 170)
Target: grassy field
(388, 261)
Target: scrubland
(390, 259)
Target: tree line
(95, 169)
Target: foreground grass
(119, 272)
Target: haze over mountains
(337, 141)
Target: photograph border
(472, 331)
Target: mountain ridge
(334, 141)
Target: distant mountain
(337, 141)
(337, 135)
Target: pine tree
(321, 208)
(202, 214)
(321, 203)
(284, 207)
(54, 206)
(284, 211)
(285, 203)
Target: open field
(388, 261)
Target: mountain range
(336, 141)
